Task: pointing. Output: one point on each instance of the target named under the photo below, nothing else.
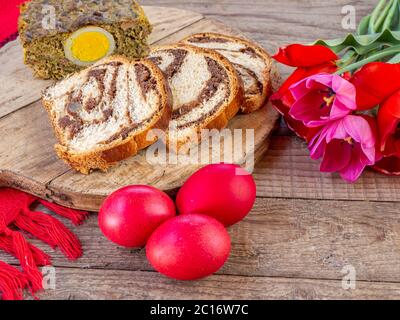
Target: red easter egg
(130, 215)
(189, 247)
(223, 191)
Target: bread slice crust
(220, 119)
(251, 102)
(104, 157)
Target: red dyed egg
(189, 247)
(223, 191)
(129, 216)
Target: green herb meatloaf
(60, 37)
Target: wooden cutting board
(28, 161)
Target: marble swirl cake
(252, 63)
(104, 113)
(206, 90)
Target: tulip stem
(375, 57)
(383, 17)
(390, 15)
(376, 14)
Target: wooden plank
(287, 171)
(200, 26)
(27, 158)
(169, 20)
(281, 238)
(75, 284)
(19, 88)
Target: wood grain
(72, 284)
(281, 238)
(27, 158)
(287, 171)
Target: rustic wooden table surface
(306, 230)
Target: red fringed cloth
(9, 13)
(16, 215)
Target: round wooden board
(28, 161)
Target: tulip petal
(359, 129)
(389, 166)
(388, 121)
(375, 82)
(356, 165)
(283, 99)
(322, 98)
(346, 145)
(307, 109)
(297, 55)
(337, 156)
(347, 91)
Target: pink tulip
(322, 98)
(347, 146)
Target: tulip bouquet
(344, 96)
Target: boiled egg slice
(89, 45)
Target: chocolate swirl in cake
(251, 62)
(97, 98)
(173, 63)
(252, 80)
(206, 90)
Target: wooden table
(306, 228)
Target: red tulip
(310, 60)
(389, 166)
(375, 82)
(388, 122)
(301, 56)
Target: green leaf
(386, 15)
(383, 18)
(375, 16)
(388, 52)
(363, 26)
(363, 44)
(390, 16)
(395, 59)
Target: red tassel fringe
(12, 282)
(15, 211)
(25, 257)
(76, 216)
(51, 231)
(41, 259)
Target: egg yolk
(90, 46)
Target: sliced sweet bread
(103, 114)
(251, 61)
(206, 90)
